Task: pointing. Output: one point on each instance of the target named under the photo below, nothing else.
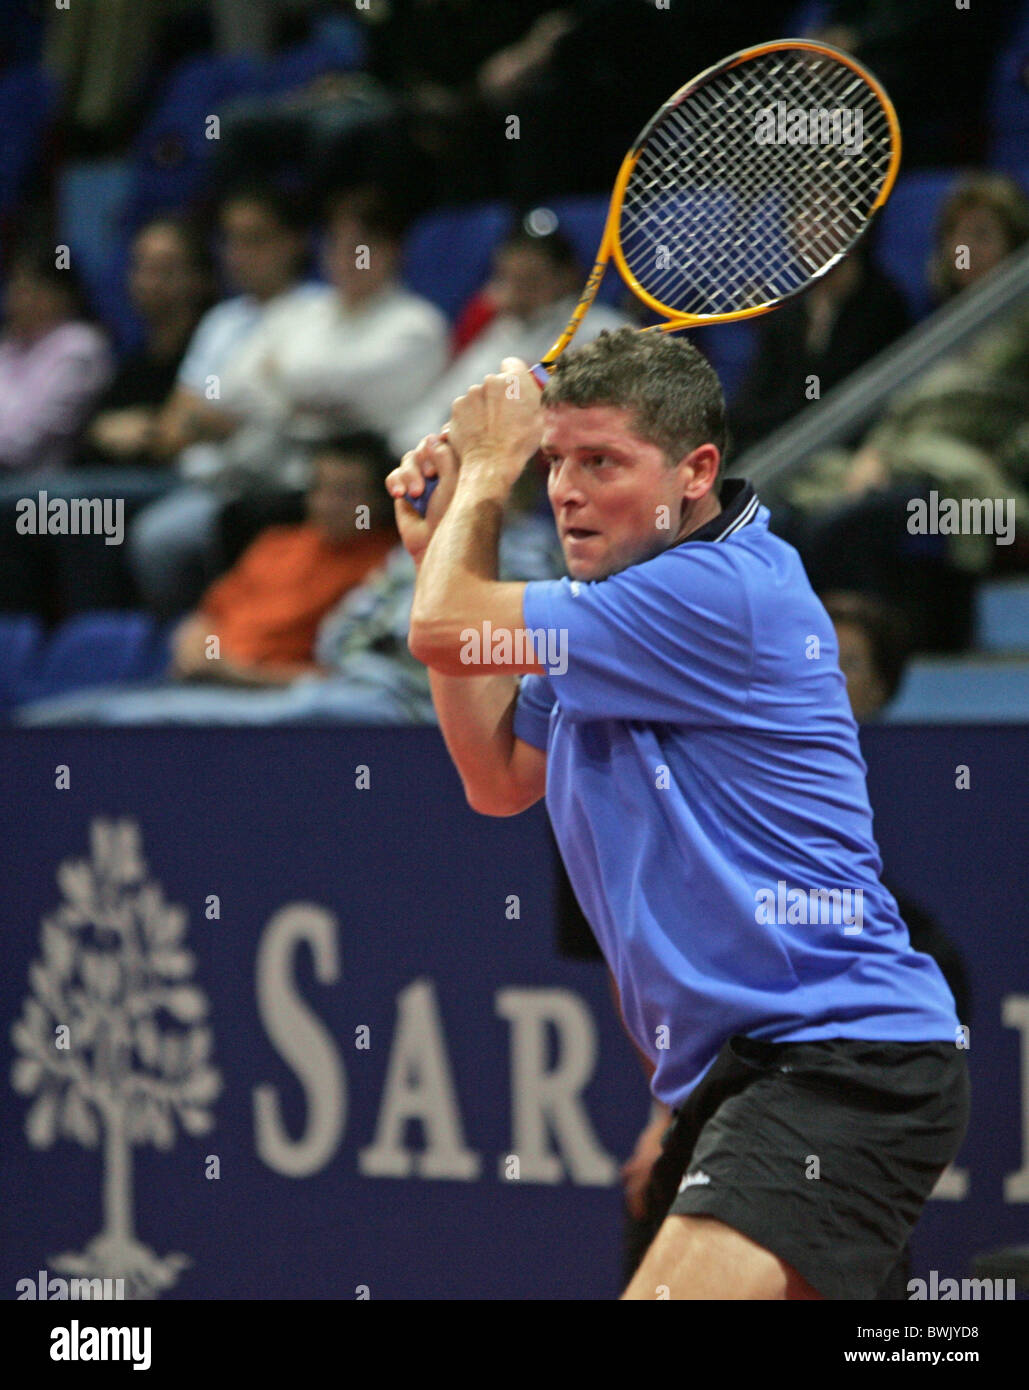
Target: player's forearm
(476, 718)
(462, 555)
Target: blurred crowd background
(250, 250)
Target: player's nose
(564, 484)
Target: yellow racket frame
(610, 245)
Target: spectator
(170, 283)
(365, 672)
(813, 342)
(960, 431)
(535, 284)
(588, 76)
(352, 355)
(53, 363)
(359, 353)
(874, 644)
(169, 280)
(983, 221)
(260, 619)
(264, 252)
(174, 543)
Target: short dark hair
(372, 450)
(377, 211)
(669, 386)
(363, 444)
(191, 238)
(554, 246)
(36, 257)
(885, 626)
(287, 211)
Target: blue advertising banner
(283, 1018)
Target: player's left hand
(499, 423)
(432, 458)
(635, 1172)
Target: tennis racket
(748, 185)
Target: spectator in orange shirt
(256, 625)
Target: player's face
(615, 499)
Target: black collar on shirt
(739, 507)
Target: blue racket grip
(420, 503)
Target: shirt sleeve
(664, 641)
(532, 712)
(247, 577)
(52, 408)
(373, 379)
(197, 362)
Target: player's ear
(700, 471)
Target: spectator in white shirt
(534, 287)
(173, 543)
(264, 244)
(361, 351)
(320, 360)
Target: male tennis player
(703, 776)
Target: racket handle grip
(542, 376)
(420, 503)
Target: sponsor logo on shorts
(697, 1179)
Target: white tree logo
(96, 1047)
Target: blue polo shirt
(707, 792)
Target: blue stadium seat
(27, 102)
(91, 198)
(729, 347)
(1009, 98)
(172, 154)
(807, 16)
(1002, 616)
(448, 252)
(338, 45)
(905, 233)
(581, 220)
(21, 644)
(962, 690)
(102, 648)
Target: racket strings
(760, 179)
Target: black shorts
(822, 1152)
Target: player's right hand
(432, 458)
